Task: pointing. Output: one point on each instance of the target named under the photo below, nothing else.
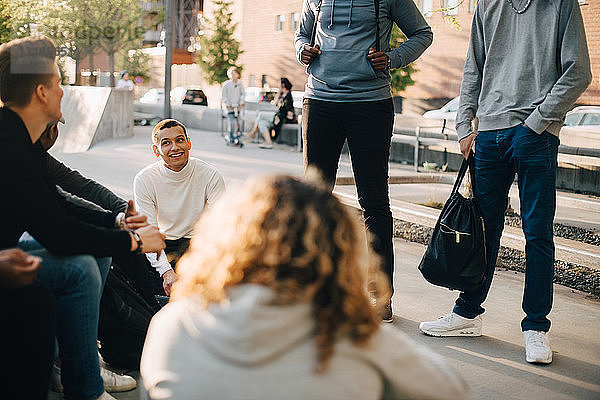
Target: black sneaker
(387, 315)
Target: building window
(252, 80)
(472, 6)
(279, 22)
(427, 7)
(451, 7)
(294, 21)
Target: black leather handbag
(456, 255)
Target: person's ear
(155, 150)
(189, 142)
(41, 94)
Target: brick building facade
(591, 19)
(266, 30)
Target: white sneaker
(452, 325)
(55, 384)
(113, 382)
(106, 396)
(537, 347)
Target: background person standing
(348, 97)
(232, 95)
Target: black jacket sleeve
(31, 204)
(76, 184)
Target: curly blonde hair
(297, 238)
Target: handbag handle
(468, 163)
(314, 28)
(377, 45)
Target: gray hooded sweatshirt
(529, 67)
(345, 31)
(250, 348)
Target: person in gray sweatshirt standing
(345, 46)
(527, 64)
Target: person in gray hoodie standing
(527, 64)
(345, 46)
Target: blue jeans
(233, 125)
(77, 283)
(498, 156)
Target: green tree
(4, 22)
(91, 26)
(401, 77)
(219, 50)
(108, 25)
(136, 62)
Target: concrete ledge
(93, 114)
(405, 179)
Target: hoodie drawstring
(332, 12)
(350, 14)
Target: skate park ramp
(93, 114)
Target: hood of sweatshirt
(249, 329)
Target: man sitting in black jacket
(89, 193)
(74, 242)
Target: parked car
(195, 96)
(447, 112)
(582, 128)
(153, 96)
(259, 95)
(298, 96)
(157, 95)
(587, 117)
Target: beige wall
(591, 19)
(267, 51)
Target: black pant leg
(28, 320)
(323, 136)
(369, 131)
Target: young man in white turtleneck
(173, 193)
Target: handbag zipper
(484, 242)
(456, 233)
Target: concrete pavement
(494, 364)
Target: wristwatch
(138, 240)
(389, 63)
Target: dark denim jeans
(367, 126)
(498, 156)
(77, 283)
(28, 319)
(234, 125)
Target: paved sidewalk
(494, 364)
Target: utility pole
(168, 56)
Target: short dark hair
(164, 124)
(25, 64)
(286, 83)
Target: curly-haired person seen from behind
(272, 303)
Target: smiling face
(173, 146)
